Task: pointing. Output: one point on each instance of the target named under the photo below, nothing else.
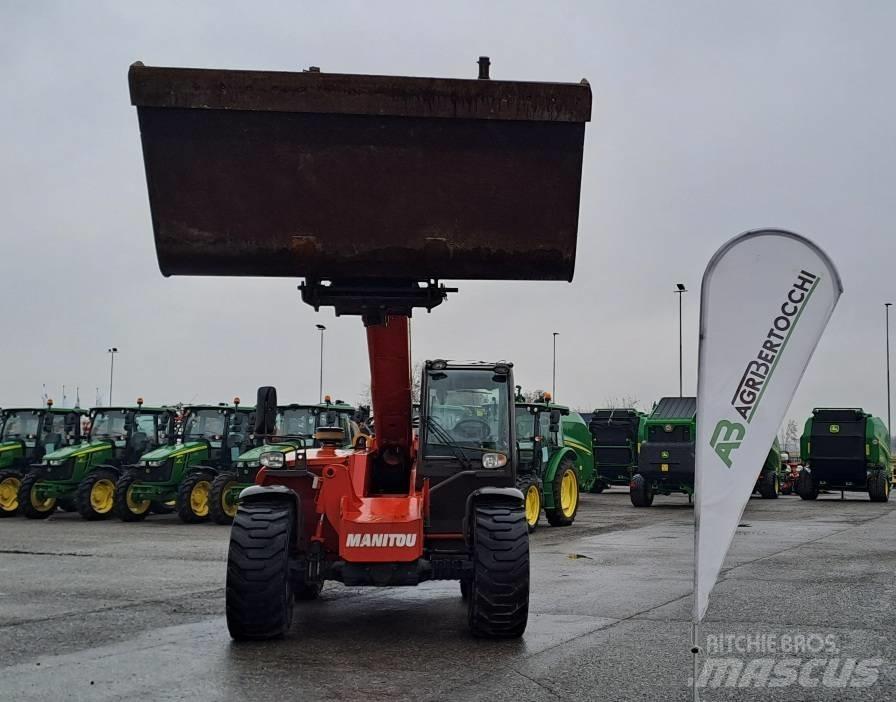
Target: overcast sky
(709, 118)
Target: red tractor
(373, 188)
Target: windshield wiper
(443, 436)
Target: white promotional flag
(765, 300)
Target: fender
(490, 495)
(275, 493)
(550, 472)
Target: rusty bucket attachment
(354, 177)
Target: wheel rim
(9, 494)
(199, 498)
(533, 505)
(136, 506)
(40, 505)
(569, 494)
(229, 506)
(102, 496)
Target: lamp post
(554, 371)
(680, 292)
(112, 353)
(889, 413)
(321, 328)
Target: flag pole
(695, 652)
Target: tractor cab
(537, 431)
(129, 432)
(225, 430)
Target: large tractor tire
(193, 497)
(531, 489)
(640, 491)
(879, 487)
(806, 487)
(127, 509)
(259, 594)
(222, 508)
(31, 505)
(498, 602)
(769, 487)
(10, 482)
(565, 488)
(95, 498)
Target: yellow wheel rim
(569, 493)
(136, 506)
(228, 503)
(533, 505)
(40, 505)
(102, 496)
(199, 498)
(9, 494)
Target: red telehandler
(373, 189)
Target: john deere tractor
(768, 484)
(85, 474)
(210, 438)
(666, 451)
(614, 437)
(845, 449)
(555, 460)
(295, 427)
(27, 434)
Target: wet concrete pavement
(109, 611)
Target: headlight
(57, 462)
(272, 459)
(155, 464)
(494, 460)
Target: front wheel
(34, 506)
(640, 491)
(768, 488)
(10, 482)
(879, 487)
(806, 487)
(565, 487)
(221, 500)
(531, 490)
(192, 497)
(127, 507)
(498, 603)
(95, 498)
(259, 597)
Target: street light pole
(680, 292)
(554, 372)
(321, 328)
(112, 353)
(889, 413)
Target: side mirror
(266, 410)
(554, 424)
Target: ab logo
(725, 443)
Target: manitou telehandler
(373, 188)
(29, 433)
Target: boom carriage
(180, 473)
(295, 427)
(26, 434)
(85, 474)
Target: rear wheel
(498, 604)
(259, 597)
(879, 487)
(221, 503)
(806, 487)
(528, 485)
(95, 498)
(10, 482)
(565, 487)
(34, 506)
(768, 488)
(640, 491)
(127, 507)
(192, 497)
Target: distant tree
(624, 402)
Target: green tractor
(666, 451)
(295, 427)
(26, 434)
(210, 437)
(85, 474)
(614, 438)
(768, 484)
(845, 449)
(555, 460)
